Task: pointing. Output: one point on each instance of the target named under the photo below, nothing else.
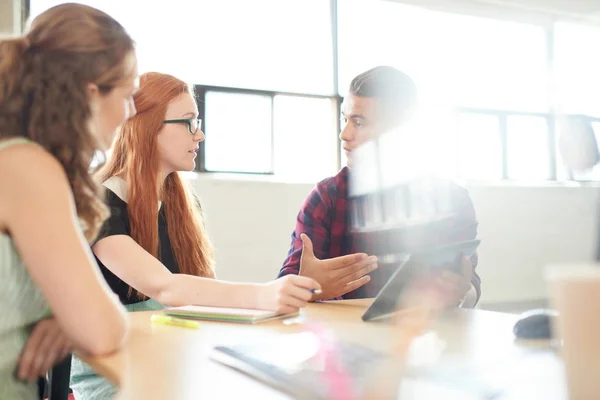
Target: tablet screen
(447, 256)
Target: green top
(22, 305)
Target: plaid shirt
(325, 217)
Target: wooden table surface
(166, 362)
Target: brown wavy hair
(44, 79)
(135, 158)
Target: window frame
(200, 96)
(551, 116)
(502, 118)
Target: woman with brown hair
(64, 89)
(153, 250)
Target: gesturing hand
(338, 275)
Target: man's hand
(454, 287)
(337, 276)
(435, 290)
(46, 347)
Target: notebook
(240, 315)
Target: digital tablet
(446, 256)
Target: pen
(316, 291)
(167, 320)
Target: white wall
(522, 230)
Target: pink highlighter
(339, 382)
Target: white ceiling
(542, 12)
(565, 7)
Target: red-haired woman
(153, 250)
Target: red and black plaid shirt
(325, 217)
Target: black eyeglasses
(192, 123)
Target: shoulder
(113, 196)
(28, 159)
(447, 184)
(118, 207)
(115, 193)
(27, 164)
(117, 187)
(112, 199)
(31, 178)
(326, 194)
(118, 221)
(457, 189)
(334, 186)
(460, 199)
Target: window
(468, 61)
(494, 64)
(577, 82)
(249, 131)
(428, 145)
(258, 44)
(305, 137)
(486, 69)
(238, 132)
(490, 90)
(576, 67)
(528, 148)
(480, 147)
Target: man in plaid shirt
(324, 248)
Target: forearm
(100, 338)
(181, 289)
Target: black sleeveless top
(118, 224)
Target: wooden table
(165, 362)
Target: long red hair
(135, 158)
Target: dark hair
(44, 96)
(395, 91)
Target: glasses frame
(187, 121)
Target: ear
(93, 90)
(93, 96)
